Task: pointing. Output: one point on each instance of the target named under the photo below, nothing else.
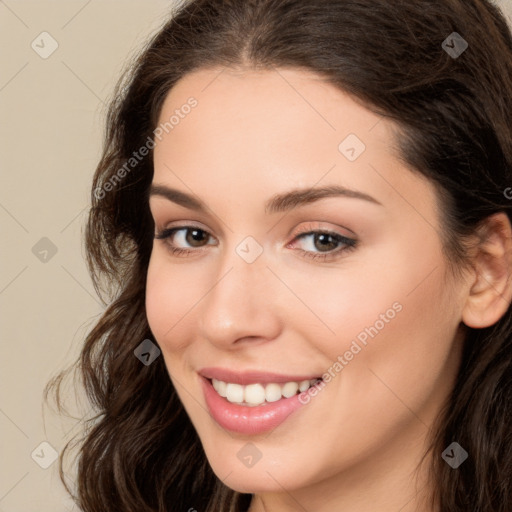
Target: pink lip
(252, 377)
(244, 419)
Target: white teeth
(220, 387)
(273, 392)
(254, 394)
(290, 389)
(304, 385)
(234, 393)
(257, 394)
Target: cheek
(400, 352)
(389, 315)
(360, 301)
(171, 293)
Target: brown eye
(325, 242)
(323, 245)
(195, 237)
(185, 237)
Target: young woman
(301, 221)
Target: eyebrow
(278, 203)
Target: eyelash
(349, 243)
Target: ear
(491, 289)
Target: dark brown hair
(141, 452)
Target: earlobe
(491, 290)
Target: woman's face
(307, 250)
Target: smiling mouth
(253, 402)
(253, 395)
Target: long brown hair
(141, 452)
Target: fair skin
(357, 444)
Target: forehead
(264, 131)
(281, 96)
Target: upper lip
(251, 376)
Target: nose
(242, 304)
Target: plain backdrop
(59, 62)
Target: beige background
(50, 138)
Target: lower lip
(244, 419)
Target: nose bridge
(240, 302)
